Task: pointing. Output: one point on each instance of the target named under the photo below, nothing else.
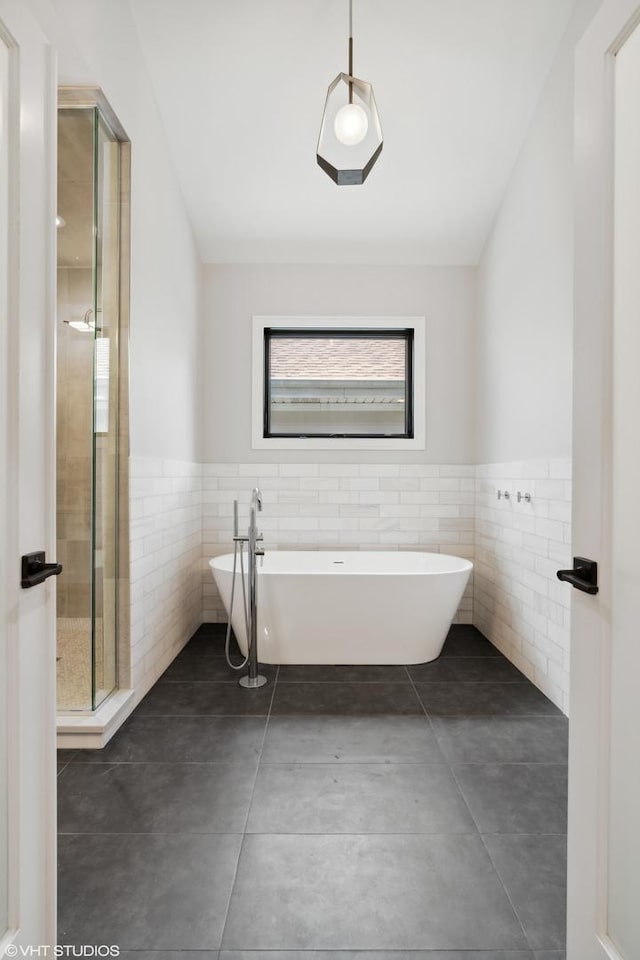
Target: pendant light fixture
(350, 138)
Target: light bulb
(351, 124)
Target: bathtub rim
(464, 565)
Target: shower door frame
(94, 728)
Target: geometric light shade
(349, 164)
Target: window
(338, 383)
(331, 383)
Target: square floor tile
(169, 955)
(455, 669)
(463, 641)
(368, 892)
(211, 642)
(145, 892)
(534, 870)
(366, 673)
(155, 797)
(462, 630)
(376, 955)
(64, 757)
(345, 699)
(515, 797)
(449, 699)
(182, 740)
(194, 667)
(350, 740)
(210, 630)
(503, 739)
(358, 798)
(205, 699)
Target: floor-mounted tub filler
(349, 607)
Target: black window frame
(340, 333)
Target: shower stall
(92, 401)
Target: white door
(604, 762)
(27, 506)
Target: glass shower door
(105, 413)
(87, 407)
(74, 399)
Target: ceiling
(241, 87)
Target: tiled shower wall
(519, 604)
(341, 506)
(74, 408)
(166, 551)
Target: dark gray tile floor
(340, 813)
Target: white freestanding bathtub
(348, 607)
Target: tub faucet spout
(256, 499)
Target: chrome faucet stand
(252, 679)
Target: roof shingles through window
(341, 359)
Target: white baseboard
(91, 731)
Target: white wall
(525, 285)
(97, 44)
(523, 401)
(233, 294)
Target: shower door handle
(35, 570)
(584, 575)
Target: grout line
(316, 763)
(482, 836)
(352, 716)
(203, 716)
(383, 954)
(499, 876)
(307, 833)
(360, 682)
(428, 718)
(249, 805)
(477, 829)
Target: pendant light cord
(350, 50)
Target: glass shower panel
(87, 407)
(76, 312)
(105, 432)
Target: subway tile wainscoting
(518, 602)
(166, 547)
(341, 506)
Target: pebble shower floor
(371, 809)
